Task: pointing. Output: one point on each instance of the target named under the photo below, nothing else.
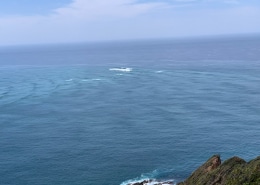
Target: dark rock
(142, 183)
(234, 171)
(154, 182)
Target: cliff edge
(234, 171)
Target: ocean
(117, 112)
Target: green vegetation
(234, 171)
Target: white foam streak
(122, 69)
(89, 80)
(159, 71)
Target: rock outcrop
(153, 182)
(234, 171)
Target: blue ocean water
(112, 113)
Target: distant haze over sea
(184, 49)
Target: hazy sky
(55, 21)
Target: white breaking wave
(122, 69)
(69, 80)
(149, 179)
(148, 182)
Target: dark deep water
(69, 115)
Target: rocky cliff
(234, 171)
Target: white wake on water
(122, 69)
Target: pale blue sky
(62, 21)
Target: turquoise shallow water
(95, 123)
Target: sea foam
(150, 179)
(93, 79)
(148, 182)
(122, 69)
(160, 71)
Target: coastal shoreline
(232, 171)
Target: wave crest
(150, 179)
(122, 69)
